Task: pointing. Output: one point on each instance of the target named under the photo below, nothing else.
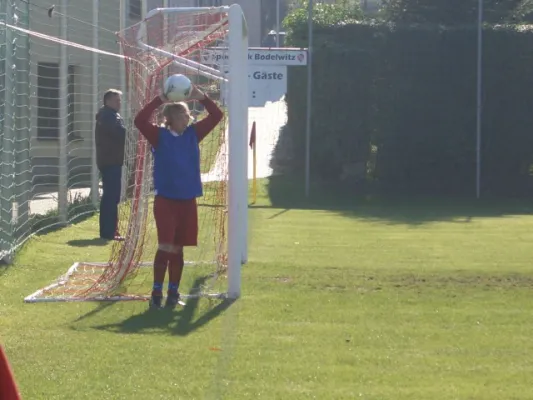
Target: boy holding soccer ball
(177, 184)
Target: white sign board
(266, 83)
(260, 56)
(267, 70)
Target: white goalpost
(167, 41)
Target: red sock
(160, 269)
(175, 270)
(8, 387)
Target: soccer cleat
(155, 301)
(173, 299)
(118, 237)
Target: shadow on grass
(101, 307)
(88, 242)
(288, 193)
(180, 321)
(47, 223)
(3, 267)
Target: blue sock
(158, 287)
(172, 287)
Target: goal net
(209, 45)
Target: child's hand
(196, 94)
(163, 98)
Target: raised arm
(207, 124)
(142, 121)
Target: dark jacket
(110, 138)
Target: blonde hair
(173, 108)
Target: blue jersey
(177, 165)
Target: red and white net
(163, 44)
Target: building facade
(46, 82)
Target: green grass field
(342, 299)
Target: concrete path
(269, 121)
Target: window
(48, 100)
(209, 3)
(135, 9)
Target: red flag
(252, 136)
(8, 387)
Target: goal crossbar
(186, 10)
(183, 62)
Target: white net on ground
(163, 44)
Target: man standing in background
(110, 139)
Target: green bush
(457, 12)
(334, 133)
(343, 90)
(324, 15)
(410, 92)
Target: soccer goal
(165, 42)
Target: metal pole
(165, 22)
(277, 23)
(63, 120)
(309, 95)
(23, 126)
(479, 96)
(125, 96)
(95, 181)
(238, 152)
(7, 148)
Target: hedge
(409, 92)
(454, 12)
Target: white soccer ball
(177, 87)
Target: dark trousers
(111, 182)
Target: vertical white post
(63, 120)
(21, 80)
(309, 98)
(7, 144)
(243, 90)
(277, 23)
(122, 25)
(165, 26)
(238, 135)
(9, 136)
(165, 22)
(125, 106)
(479, 108)
(95, 64)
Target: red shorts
(176, 221)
